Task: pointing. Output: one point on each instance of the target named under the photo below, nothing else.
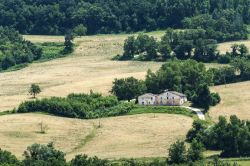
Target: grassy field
(235, 101)
(226, 47)
(161, 109)
(145, 135)
(89, 67)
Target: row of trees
(56, 16)
(83, 106)
(41, 155)
(198, 44)
(188, 77)
(238, 71)
(232, 138)
(47, 155)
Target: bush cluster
(81, 106)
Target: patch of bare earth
(235, 101)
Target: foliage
(195, 151)
(188, 77)
(68, 43)
(81, 160)
(7, 158)
(124, 16)
(37, 154)
(80, 30)
(51, 50)
(14, 50)
(177, 153)
(34, 90)
(128, 88)
(81, 106)
(47, 155)
(231, 137)
(239, 71)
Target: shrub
(215, 99)
(177, 153)
(81, 106)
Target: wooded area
(113, 16)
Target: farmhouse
(147, 99)
(168, 98)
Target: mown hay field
(144, 135)
(235, 101)
(89, 67)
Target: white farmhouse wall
(147, 99)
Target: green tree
(195, 151)
(80, 30)
(165, 50)
(82, 160)
(7, 158)
(203, 97)
(177, 153)
(197, 131)
(129, 48)
(34, 90)
(7, 62)
(128, 88)
(68, 43)
(37, 154)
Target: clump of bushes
(83, 106)
(15, 50)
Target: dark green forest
(55, 17)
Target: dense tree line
(15, 50)
(232, 137)
(238, 71)
(83, 106)
(198, 44)
(113, 16)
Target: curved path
(198, 112)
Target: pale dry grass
(126, 136)
(226, 47)
(235, 101)
(21, 130)
(89, 67)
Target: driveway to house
(198, 112)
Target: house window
(151, 98)
(173, 97)
(167, 98)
